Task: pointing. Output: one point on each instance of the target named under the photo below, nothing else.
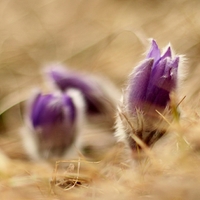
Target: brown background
(106, 37)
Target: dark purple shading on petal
(138, 82)
(37, 108)
(165, 84)
(165, 88)
(153, 86)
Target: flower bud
(54, 122)
(149, 88)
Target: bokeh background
(102, 37)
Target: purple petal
(90, 89)
(161, 99)
(48, 109)
(165, 84)
(168, 53)
(139, 80)
(154, 51)
(165, 87)
(175, 62)
(66, 79)
(51, 112)
(53, 118)
(172, 67)
(37, 108)
(153, 87)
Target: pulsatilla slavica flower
(54, 121)
(65, 79)
(152, 81)
(148, 91)
(100, 95)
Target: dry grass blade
(72, 175)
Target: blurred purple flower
(54, 120)
(95, 91)
(152, 81)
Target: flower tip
(154, 51)
(58, 76)
(154, 45)
(55, 70)
(153, 42)
(168, 53)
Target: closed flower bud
(54, 122)
(148, 91)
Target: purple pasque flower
(148, 91)
(152, 81)
(54, 120)
(95, 90)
